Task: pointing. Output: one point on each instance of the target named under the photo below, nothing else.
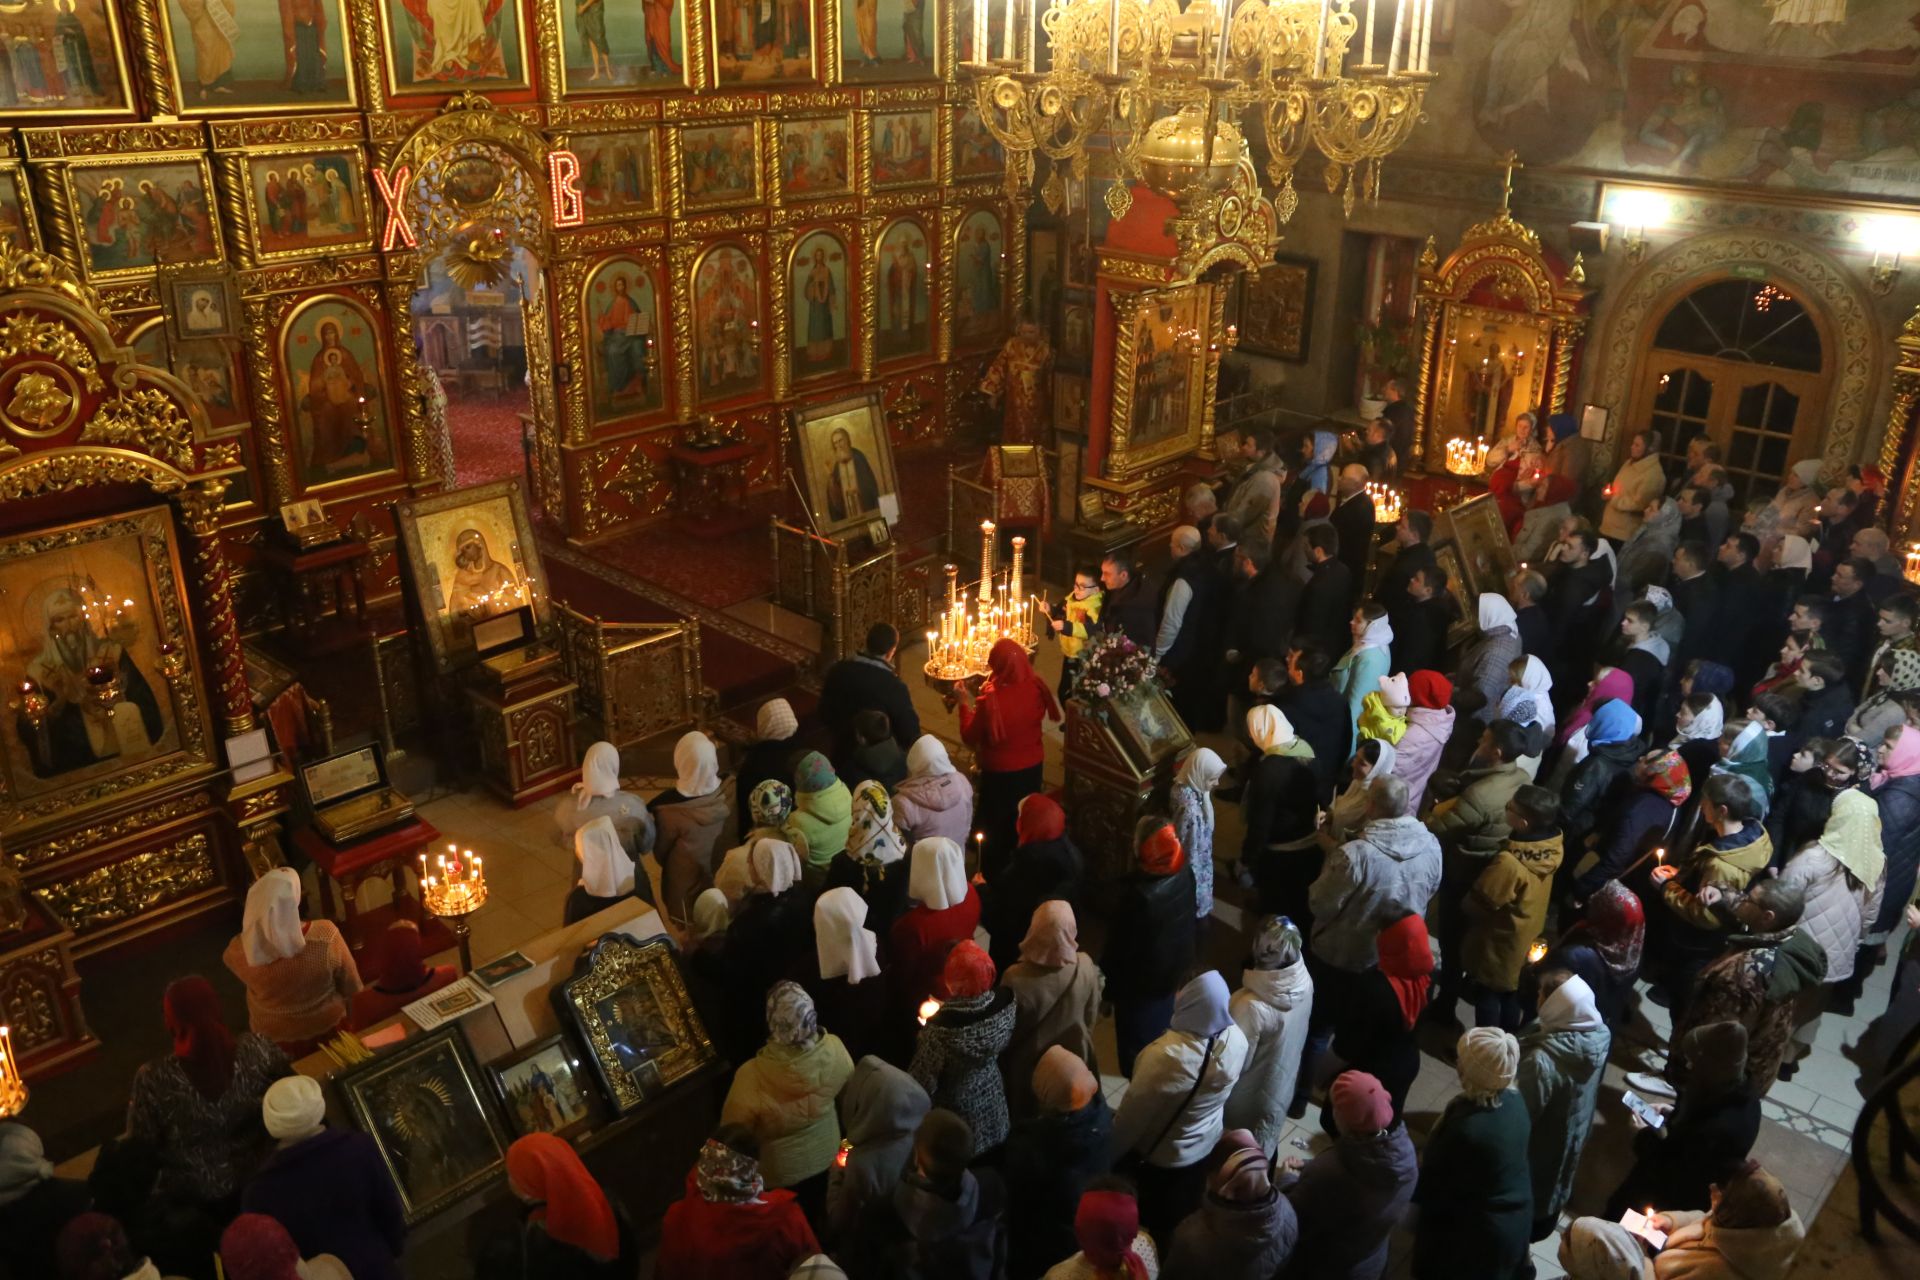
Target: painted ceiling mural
(1800, 95)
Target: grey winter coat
(1485, 668)
(1562, 1058)
(1838, 909)
(1388, 871)
(1348, 1200)
(1222, 1241)
(1271, 1009)
(880, 1107)
(957, 1061)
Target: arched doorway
(471, 333)
(1744, 363)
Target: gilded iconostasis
(330, 218)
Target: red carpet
(486, 438)
(718, 572)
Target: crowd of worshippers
(1675, 761)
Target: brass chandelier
(1170, 85)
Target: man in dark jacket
(1319, 716)
(1193, 602)
(1526, 589)
(1326, 604)
(868, 682)
(1850, 630)
(1260, 623)
(1131, 607)
(1696, 597)
(1744, 597)
(1420, 626)
(1411, 554)
(1352, 519)
(1828, 699)
(1576, 597)
(1637, 651)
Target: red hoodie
(1004, 729)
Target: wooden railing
(636, 679)
(818, 578)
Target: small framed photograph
(1593, 422)
(544, 1089)
(200, 304)
(302, 514)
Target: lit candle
(1537, 952)
(1659, 857)
(928, 1008)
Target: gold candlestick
(1013, 578)
(986, 562)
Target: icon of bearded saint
(78, 731)
(482, 586)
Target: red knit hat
(1160, 852)
(968, 971)
(1429, 689)
(1360, 1103)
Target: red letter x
(397, 227)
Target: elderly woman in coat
(1244, 1228)
(785, 1095)
(935, 799)
(598, 795)
(1638, 482)
(1484, 668)
(880, 1108)
(1271, 1008)
(1750, 1233)
(1350, 1197)
(1056, 999)
(1476, 1192)
(957, 1056)
(1429, 727)
(1843, 875)
(1562, 1057)
(692, 819)
(1174, 1110)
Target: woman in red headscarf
(570, 1229)
(1603, 947)
(1150, 939)
(404, 978)
(1373, 1025)
(256, 1247)
(1003, 728)
(957, 1056)
(200, 1104)
(1044, 866)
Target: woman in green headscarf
(822, 814)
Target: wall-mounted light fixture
(1890, 238)
(1633, 210)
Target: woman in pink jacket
(934, 799)
(1429, 725)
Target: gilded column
(1906, 394)
(200, 505)
(1565, 334)
(1429, 335)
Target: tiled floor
(1803, 1138)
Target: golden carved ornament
(29, 269)
(144, 419)
(112, 140)
(334, 269)
(22, 332)
(90, 838)
(238, 135)
(131, 886)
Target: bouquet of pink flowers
(1111, 666)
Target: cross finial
(1512, 161)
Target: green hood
(823, 817)
(1799, 964)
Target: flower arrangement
(1113, 665)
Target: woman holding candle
(956, 1057)
(785, 1096)
(1003, 726)
(299, 975)
(945, 911)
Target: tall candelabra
(454, 890)
(999, 610)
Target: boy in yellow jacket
(1074, 621)
(1507, 907)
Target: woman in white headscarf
(1373, 759)
(1484, 667)
(846, 983)
(1358, 672)
(935, 799)
(692, 820)
(1191, 805)
(1475, 1196)
(945, 910)
(598, 795)
(1528, 702)
(606, 872)
(1562, 1057)
(299, 976)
